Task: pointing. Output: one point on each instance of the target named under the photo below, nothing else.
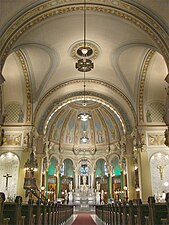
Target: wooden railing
(17, 213)
(135, 214)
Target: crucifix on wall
(161, 170)
(7, 176)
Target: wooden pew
(37, 210)
(3, 221)
(125, 211)
(142, 212)
(27, 211)
(16, 213)
(157, 212)
(12, 210)
(132, 210)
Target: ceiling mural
(101, 129)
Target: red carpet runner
(84, 219)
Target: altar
(84, 199)
(84, 196)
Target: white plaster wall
(9, 164)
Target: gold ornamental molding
(52, 8)
(109, 86)
(26, 74)
(144, 69)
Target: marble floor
(93, 215)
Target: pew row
(17, 213)
(136, 213)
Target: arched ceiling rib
(132, 49)
(118, 8)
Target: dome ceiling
(103, 128)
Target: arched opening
(9, 166)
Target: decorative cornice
(143, 73)
(26, 74)
(117, 8)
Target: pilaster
(130, 167)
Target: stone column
(110, 181)
(76, 180)
(39, 156)
(38, 174)
(130, 168)
(58, 180)
(20, 190)
(144, 175)
(2, 116)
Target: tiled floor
(95, 218)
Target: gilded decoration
(155, 139)
(42, 126)
(25, 69)
(118, 8)
(12, 139)
(91, 45)
(107, 85)
(144, 69)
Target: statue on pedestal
(84, 187)
(102, 196)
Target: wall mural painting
(111, 130)
(159, 164)
(84, 131)
(69, 134)
(99, 134)
(58, 127)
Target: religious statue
(148, 116)
(84, 187)
(84, 180)
(100, 137)
(20, 116)
(70, 186)
(102, 196)
(161, 171)
(66, 197)
(97, 186)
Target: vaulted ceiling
(39, 42)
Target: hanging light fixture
(84, 64)
(84, 116)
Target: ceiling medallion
(84, 64)
(76, 50)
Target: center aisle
(84, 219)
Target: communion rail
(135, 214)
(17, 213)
